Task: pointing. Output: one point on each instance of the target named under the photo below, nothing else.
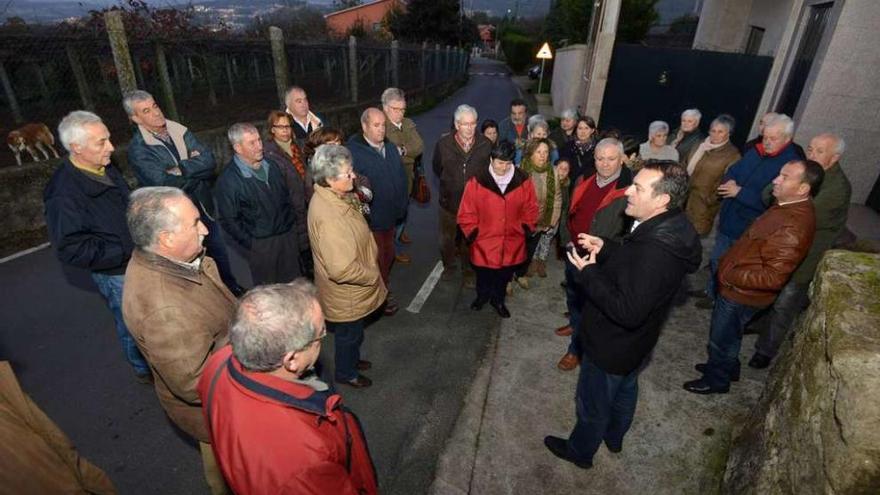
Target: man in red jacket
(275, 426)
(753, 271)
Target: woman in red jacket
(498, 210)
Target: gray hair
(610, 142)
(726, 120)
(328, 161)
(72, 128)
(148, 214)
(237, 131)
(463, 109)
(536, 121)
(392, 94)
(568, 113)
(782, 121)
(657, 126)
(132, 97)
(291, 90)
(692, 112)
(272, 320)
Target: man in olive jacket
(457, 157)
(176, 306)
(832, 208)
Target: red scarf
(760, 149)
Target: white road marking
(422, 295)
(24, 253)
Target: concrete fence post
(80, 76)
(424, 64)
(121, 55)
(395, 63)
(353, 68)
(279, 61)
(10, 94)
(170, 106)
(438, 75)
(447, 65)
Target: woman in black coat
(579, 152)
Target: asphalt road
(59, 337)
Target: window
(753, 44)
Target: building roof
(357, 7)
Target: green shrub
(519, 50)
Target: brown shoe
(402, 258)
(523, 282)
(404, 239)
(564, 331)
(533, 269)
(540, 268)
(390, 308)
(568, 362)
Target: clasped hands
(591, 244)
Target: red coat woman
(497, 211)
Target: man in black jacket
(629, 286)
(85, 203)
(255, 210)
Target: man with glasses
(402, 132)
(176, 306)
(305, 440)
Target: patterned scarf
(293, 153)
(550, 191)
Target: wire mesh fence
(203, 82)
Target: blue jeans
(347, 337)
(110, 286)
(605, 405)
(722, 244)
(729, 319)
(574, 301)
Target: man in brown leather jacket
(757, 266)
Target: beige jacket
(346, 258)
(703, 202)
(178, 318)
(540, 181)
(37, 457)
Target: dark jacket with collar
(150, 159)
(86, 220)
(387, 181)
(630, 290)
(300, 188)
(454, 167)
(249, 208)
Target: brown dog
(30, 138)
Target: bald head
(826, 149)
(373, 125)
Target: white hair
(328, 162)
(132, 97)
(536, 121)
(610, 142)
(692, 112)
(463, 109)
(72, 128)
(148, 214)
(783, 122)
(392, 94)
(237, 131)
(657, 126)
(568, 113)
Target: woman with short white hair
(687, 137)
(655, 148)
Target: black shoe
(700, 293)
(558, 447)
(144, 379)
(703, 388)
(759, 361)
(359, 381)
(734, 377)
(705, 303)
(478, 304)
(614, 449)
(501, 309)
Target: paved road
(59, 337)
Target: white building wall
(845, 95)
(723, 25)
(772, 15)
(569, 87)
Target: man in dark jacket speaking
(629, 286)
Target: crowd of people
(322, 220)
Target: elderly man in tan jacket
(176, 306)
(350, 286)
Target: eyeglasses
(316, 339)
(347, 175)
(397, 109)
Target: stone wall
(22, 224)
(816, 428)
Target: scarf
(762, 153)
(502, 181)
(604, 182)
(550, 192)
(293, 153)
(584, 148)
(465, 145)
(705, 146)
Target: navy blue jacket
(86, 219)
(249, 208)
(387, 181)
(752, 173)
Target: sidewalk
(677, 444)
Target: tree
(636, 17)
(568, 20)
(297, 23)
(434, 21)
(345, 4)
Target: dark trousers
(492, 283)
(111, 287)
(347, 339)
(788, 305)
(274, 260)
(729, 319)
(605, 406)
(216, 249)
(385, 244)
(574, 302)
(722, 244)
(531, 246)
(453, 248)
